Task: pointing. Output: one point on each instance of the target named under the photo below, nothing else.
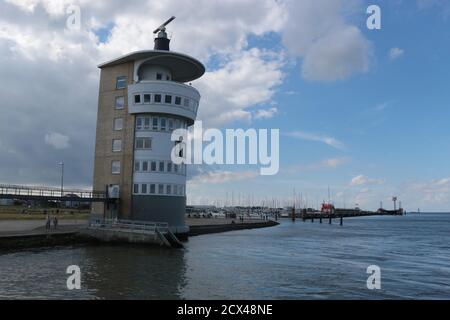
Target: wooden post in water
(342, 220)
(329, 216)
(321, 219)
(312, 219)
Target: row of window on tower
(159, 166)
(158, 189)
(145, 123)
(159, 98)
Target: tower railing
(128, 225)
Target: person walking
(55, 222)
(47, 223)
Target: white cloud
(222, 176)
(396, 53)
(363, 180)
(57, 140)
(248, 79)
(331, 141)
(331, 48)
(266, 113)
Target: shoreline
(69, 235)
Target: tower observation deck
(143, 98)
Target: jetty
(340, 214)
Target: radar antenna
(163, 26)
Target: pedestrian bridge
(52, 194)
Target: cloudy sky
(362, 111)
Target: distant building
(143, 98)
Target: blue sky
(362, 111)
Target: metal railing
(129, 225)
(35, 191)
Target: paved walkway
(11, 227)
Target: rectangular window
(158, 76)
(155, 123)
(137, 98)
(136, 188)
(147, 98)
(160, 189)
(120, 102)
(143, 143)
(168, 99)
(144, 188)
(186, 102)
(145, 166)
(170, 124)
(169, 189)
(147, 123)
(153, 166)
(178, 101)
(177, 124)
(152, 189)
(169, 166)
(138, 123)
(158, 98)
(121, 82)
(118, 124)
(161, 166)
(137, 166)
(175, 189)
(115, 167)
(117, 145)
(175, 168)
(163, 124)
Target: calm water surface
(290, 261)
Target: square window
(143, 143)
(117, 145)
(136, 188)
(137, 166)
(147, 98)
(115, 167)
(137, 98)
(169, 189)
(158, 76)
(153, 166)
(161, 166)
(120, 102)
(160, 189)
(168, 99)
(145, 166)
(121, 82)
(144, 189)
(158, 98)
(152, 189)
(178, 101)
(118, 124)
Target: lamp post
(62, 177)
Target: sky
(362, 112)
